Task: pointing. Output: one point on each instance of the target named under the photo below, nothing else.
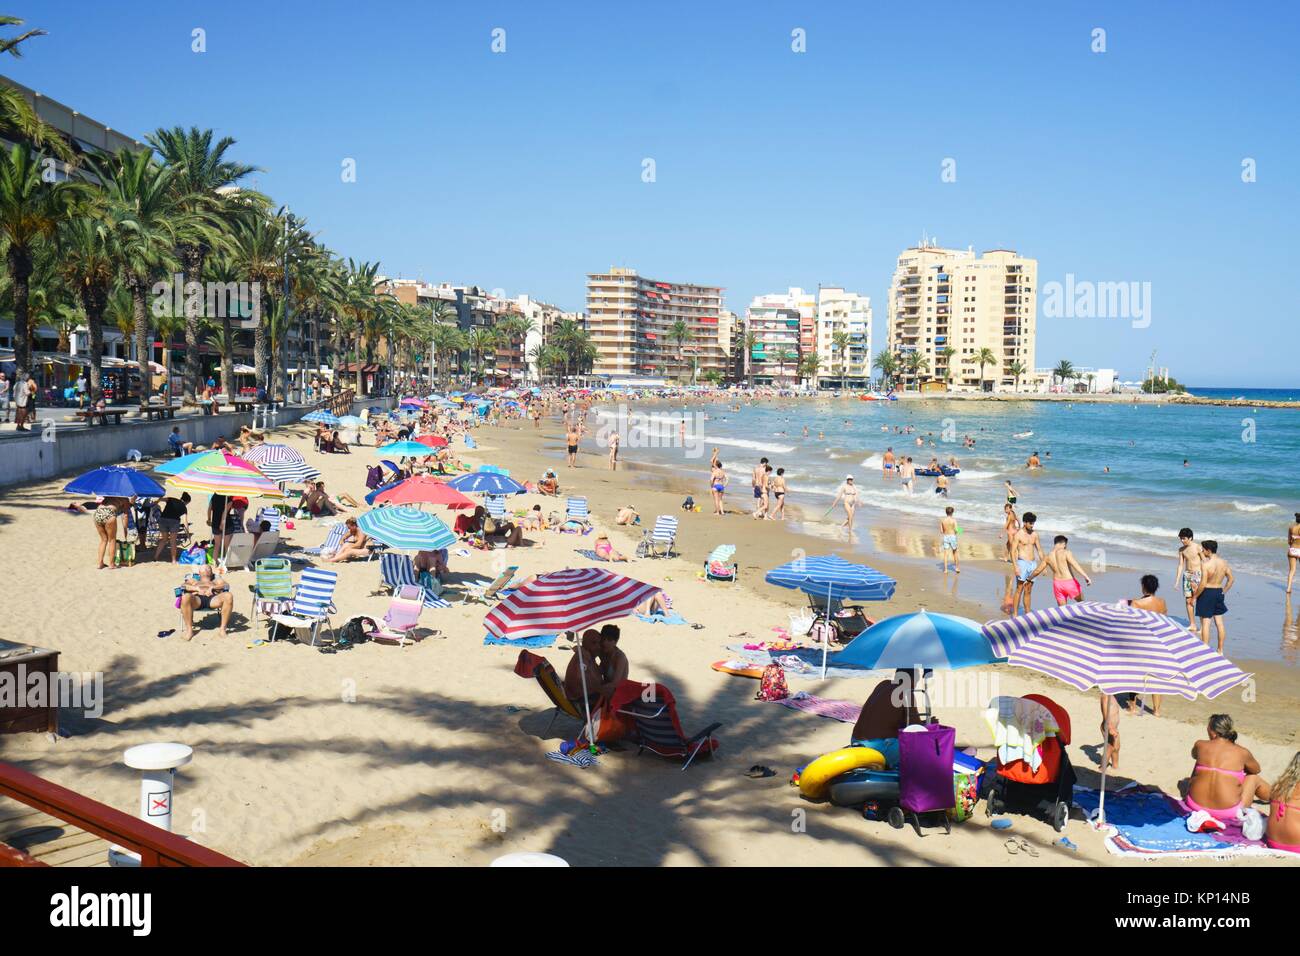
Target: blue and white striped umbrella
(832, 576)
(407, 529)
(320, 415)
(280, 463)
(920, 639)
(486, 483)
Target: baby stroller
(1046, 791)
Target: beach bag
(925, 757)
(772, 686)
(192, 555)
(357, 631)
(374, 477)
(126, 552)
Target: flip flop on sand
(1020, 845)
(758, 771)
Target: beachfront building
(947, 305)
(783, 326)
(542, 318)
(843, 338)
(631, 319)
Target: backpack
(773, 685)
(374, 477)
(357, 631)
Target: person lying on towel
(887, 710)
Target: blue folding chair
(313, 602)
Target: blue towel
(1150, 820)
(590, 555)
(672, 617)
(543, 640)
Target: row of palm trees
(893, 367)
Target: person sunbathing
(202, 591)
(606, 550)
(334, 445)
(507, 531)
(316, 502)
(886, 711)
(1284, 810)
(352, 545)
(535, 520)
(433, 563)
(1225, 778)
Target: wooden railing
(155, 846)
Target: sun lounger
(657, 542)
(496, 507)
(272, 588)
(539, 668)
(329, 546)
(272, 516)
(576, 509)
(313, 602)
(402, 617)
(658, 730)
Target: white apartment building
(849, 313)
(784, 326)
(544, 317)
(943, 299)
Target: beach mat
(541, 640)
(672, 617)
(845, 711)
(1146, 822)
(809, 662)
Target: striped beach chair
(328, 546)
(272, 587)
(719, 566)
(272, 516)
(397, 571)
(576, 509)
(313, 602)
(657, 726)
(496, 507)
(657, 542)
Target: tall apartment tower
(849, 313)
(630, 319)
(948, 298)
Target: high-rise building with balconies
(843, 361)
(948, 299)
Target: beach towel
(579, 758)
(845, 711)
(1019, 728)
(801, 662)
(1144, 821)
(540, 640)
(591, 555)
(672, 617)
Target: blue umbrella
(370, 498)
(836, 578)
(405, 449)
(487, 483)
(407, 529)
(493, 469)
(320, 415)
(116, 481)
(920, 639)
(177, 465)
(352, 421)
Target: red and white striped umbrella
(568, 600)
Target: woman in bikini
(1292, 551)
(106, 515)
(606, 550)
(718, 487)
(1284, 810)
(1225, 778)
(1011, 526)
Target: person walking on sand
(571, 442)
(1028, 552)
(759, 482)
(1292, 550)
(778, 495)
(1189, 572)
(1065, 572)
(718, 487)
(948, 539)
(848, 493)
(1217, 582)
(613, 452)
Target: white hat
(848, 477)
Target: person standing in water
(759, 481)
(1292, 551)
(1065, 572)
(1012, 496)
(887, 463)
(571, 442)
(948, 539)
(1189, 572)
(907, 473)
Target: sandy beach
(435, 753)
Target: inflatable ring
(816, 777)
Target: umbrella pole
(826, 631)
(1105, 765)
(586, 698)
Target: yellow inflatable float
(817, 776)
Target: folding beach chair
(272, 588)
(657, 542)
(654, 710)
(265, 547)
(239, 551)
(272, 516)
(496, 507)
(495, 589)
(313, 602)
(539, 668)
(402, 617)
(719, 566)
(329, 546)
(397, 571)
(575, 509)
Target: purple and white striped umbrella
(1114, 647)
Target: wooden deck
(47, 838)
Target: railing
(155, 846)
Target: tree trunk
(227, 360)
(20, 269)
(260, 345)
(360, 378)
(143, 350)
(190, 376)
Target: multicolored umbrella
(175, 466)
(218, 473)
(487, 483)
(320, 415)
(568, 600)
(407, 529)
(115, 481)
(919, 640)
(1116, 648)
(281, 463)
(423, 489)
(414, 403)
(404, 449)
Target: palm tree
(144, 227)
(256, 255)
(983, 357)
(18, 120)
(886, 363)
(946, 353)
(916, 364)
(680, 333)
(203, 174)
(1064, 371)
(86, 266)
(481, 339)
(808, 366)
(751, 340)
(30, 211)
(786, 357)
(840, 345)
(1016, 369)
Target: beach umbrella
(219, 473)
(921, 639)
(495, 470)
(404, 449)
(407, 529)
(352, 421)
(321, 415)
(1116, 648)
(423, 489)
(115, 481)
(433, 441)
(568, 600)
(280, 463)
(175, 466)
(414, 403)
(836, 578)
(487, 483)
(372, 496)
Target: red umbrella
(433, 441)
(423, 489)
(568, 600)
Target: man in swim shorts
(1065, 572)
(887, 463)
(948, 539)
(571, 443)
(907, 473)
(1218, 581)
(1189, 572)
(759, 481)
(1028, 553)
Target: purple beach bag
(925, 769)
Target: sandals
(758, 771)
(1020, 845)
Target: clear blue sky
(522, 170)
